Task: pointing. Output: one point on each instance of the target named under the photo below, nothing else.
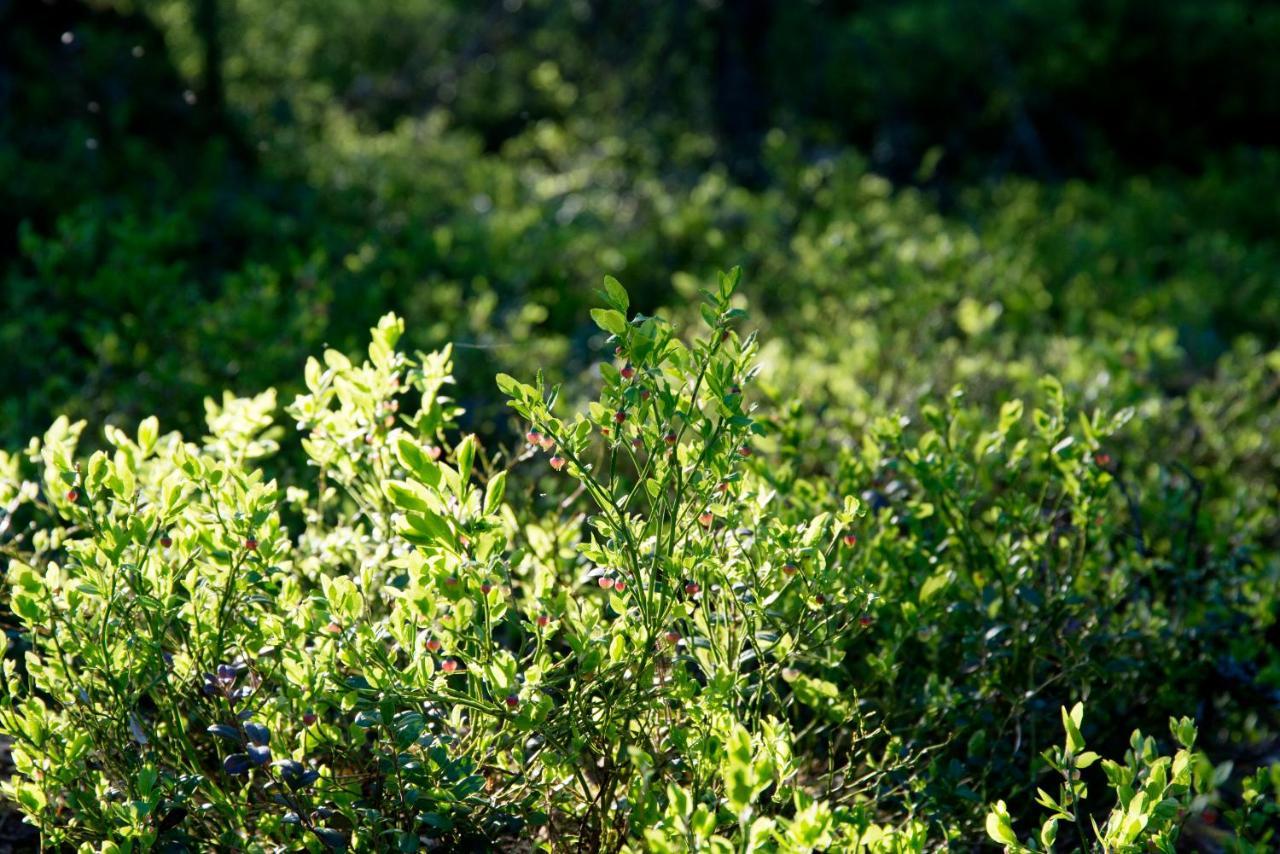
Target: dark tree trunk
(208, 24)
(741, 84)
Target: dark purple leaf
(237, 763)
(291, 772)
(332, 839)
(172, 819)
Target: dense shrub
(713, 641)
(1003, 445)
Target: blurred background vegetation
(195, 194)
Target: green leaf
(709, 315)
(28, 608)
(728, 282)
(466, 457)
(935, 584)
(509, 385)
(1010, 414)
(1049, 833)
(426, 528)
(342, 596)
(409, 496)
(30, 797)
(1084, 760)
(609, 320)
(999, 827)
(1071, 723)
(415, 459)
(739, 778)
(1184, 730)
(617, 648)
(148, 433)
(760, 833)
(312, 373)
(616, 294)
(493, 493)
(820, 695)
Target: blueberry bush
(361, 515)
(657, 622)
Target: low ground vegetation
(669, 618)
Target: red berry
(673, 636)
(1104, 460)
(822, 600)
(605, 581)
(543, 619)
(865, 620)
(619, 417)
(251, 544)
(706, 519)
(513, 700)
(744, 451)
(449, 665)
(850, 540)
(485, 588)
(644, 394)
(434, 645)
(166, 541)
(637, 443)
(628, 372)
(557, 462)
(670, 438)
(73, 496)
(619, 585)
(722, 486)
(691, 588)
(788, 569)
(308, 719)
